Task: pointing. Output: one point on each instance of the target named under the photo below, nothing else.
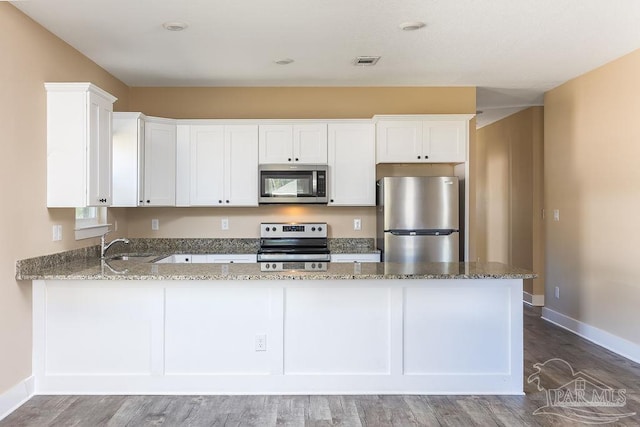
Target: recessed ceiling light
(366, 60)
(411, 26)
(175, 26)
(283, 61)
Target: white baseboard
(605, 339)
(13, 398)
(536, 300)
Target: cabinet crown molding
(78, 87)
(379, 117)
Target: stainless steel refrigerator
(418, 218)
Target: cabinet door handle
(148, 201)
(296, 159)
(227, 201)
(141, 201)
(418, 156)
(331, 200)
(426, 157)
(219, 201)
(289, 159)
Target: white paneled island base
(422, 336)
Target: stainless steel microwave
(293, 184)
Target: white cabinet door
(445, 141)
(78, 145)
(100, 151)
(207, 163)
(241, 165)
(399, 141)
(159, 164)
(276, 144)
(310, 143)
(128, 134)
(352, 165)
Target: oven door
(293, 184)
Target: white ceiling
(513, 50)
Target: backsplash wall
(244, 222)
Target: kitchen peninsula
(127, 327)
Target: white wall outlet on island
(557, 292)
(155, 225)
(357, 224)
(224, 223)
(556, 214)
(261, 342)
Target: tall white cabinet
(217, 165)
(352, 164)
(78, 145)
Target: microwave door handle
(314, 182)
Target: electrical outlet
(224, 223)
(557, 292)
(155, 224)
(556, 214)
(357, 224)
(543, 214)
(261, 343)
(115, 225)
(57, 233)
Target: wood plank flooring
(543, 341)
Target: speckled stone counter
(94, 269)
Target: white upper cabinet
(352, 164)
(222, 166)
(144, 160)
(301, 143)
(422, 139)
(78, 145)
(128, 167)
(159, 163)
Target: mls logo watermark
(577, 396)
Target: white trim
(535, 300)
(91, 231)
(618, 345)
(17, 395)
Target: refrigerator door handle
(422, 232)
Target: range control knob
(319, 265)
(273, 266)
(319, 228)
(273, 229)
(313, 265)
(266, 266)
(313, 229)
(266, 229)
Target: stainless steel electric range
(293, 246)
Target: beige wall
(300, 102)
(30, 56)
(591, 152)
(509, 193)
(284, 102)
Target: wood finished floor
(542, 341)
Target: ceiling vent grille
(367, 61)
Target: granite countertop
(95, 269)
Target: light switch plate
(224, 223)
(357, 224)
(556, 214)
(155, 224)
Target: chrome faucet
(104, 246)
